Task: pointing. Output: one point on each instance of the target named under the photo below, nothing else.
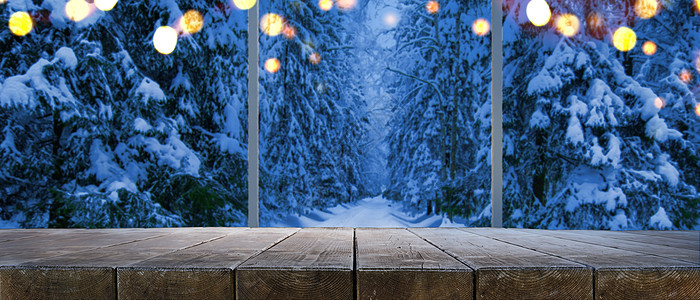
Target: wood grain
(618, 272)
(313, 263)
(505, 271)
(395, 263)
(76, 275)
(201, 272)
(609, 239)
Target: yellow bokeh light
(105, 5)
(697, 109)
(271, 24)
(649, 48)
(289, 32)
(244, 4)
(538, 12)
(697, 6)
(191, 22)
(20, 23)
(481, 27)
(568, 24)
(624, 39)
(315, 58)
(77, 10)
(685, 76)
(165, 39)
(659, 102)
(432, 6)
(646, 9)
(325, 5)
(272, 65)
(346, 4)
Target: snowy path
(368, 212)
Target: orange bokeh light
(659, 102)
(289, 32)
(272, 65)
(697, 109)
(646, 9)
(432, 6)
(271, 24)
(685, 76)
(481, 27)
(346, 4)
(325, 5)
(315, 58)
(649, 48)
(192, 22)
(568, 24)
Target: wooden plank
(676, 239)
(314, 263)
(619, 274)
(395, 263)
(90, 274)
(201, 272)
(66, 241)
(505, 271)
(610, 239)
(675, 234)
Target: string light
(568, 24)
(272, 65)
(481, 27)
(165, 39)
(646, 9)
(649, 48)
(244, 4)
(325, 5)
(271, 24)
(315, 58)
(538, 12)
(432, 6)
(105, 5)
(77, 10)
(624, 39)
(192, 21)
(20, 23)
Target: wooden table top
(348, 263)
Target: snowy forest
(135, 113)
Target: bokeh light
(105, 5)
(289, 32)
(697, 109)
(244, 4)
(646, 9)
(649, 48)
(659, 102)
(481, 27)
(538, 12)
(315, 58)
(346, 4)
(165, 39)
(271, 24)
(697, 63)
(595, 24)
(432, 6)
(272, 65)
(77, 10)
(20, 23)
(192, 21)
(391, 19)
(568, 24)
(325, 5)
(697, 6)
(624, 39)
(685, 76)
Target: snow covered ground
(368, 212)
